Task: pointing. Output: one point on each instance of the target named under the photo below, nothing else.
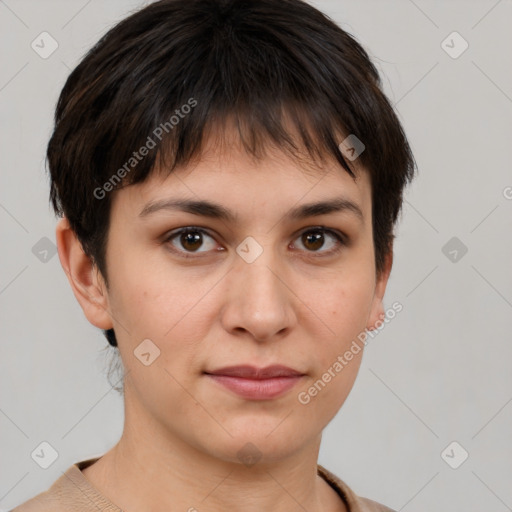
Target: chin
(265, 442)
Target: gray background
(438, 373)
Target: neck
(154, 470)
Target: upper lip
(252, 372)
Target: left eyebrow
(325, 207)
(217, 211)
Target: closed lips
(252, 372)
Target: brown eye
(190, 239)
(315, 239)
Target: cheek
(346, 307)
(173, 309)
(338, 354)
(145, 294)
(325, 393)
(343, 309)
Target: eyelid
(341, 238)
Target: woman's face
(259, 287)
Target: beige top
(73, 492)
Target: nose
(259, 300)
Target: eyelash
(192, 229)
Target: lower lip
(262, 389)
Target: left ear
(377, 309)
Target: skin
(293, 305)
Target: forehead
(225, 173)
